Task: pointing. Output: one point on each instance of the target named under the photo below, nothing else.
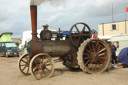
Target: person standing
(114, 58)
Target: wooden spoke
(41, 74)
(87, 58)
(36, 71)
(102, 50)
(37, 65)
(103, 58)
(48, 69)
(101, 54)
(98, 48)
(87, 62)
(43, 71)
(100, 61)
(98, 64)
(90, 47)
(48, 61)
(93, 48)
(28, 70)
(24, 61)
(24, 67)
(48, 64)
(41, 60)
(96, 44)
(27, 58)
(88, 51)
(86, 54)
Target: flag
(126, 9)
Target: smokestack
(33, 9)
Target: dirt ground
(10, 75)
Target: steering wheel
(80, 35)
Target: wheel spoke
(87, 62)
(41, 60)
(102, 50)
(43, 71)
(48, 69)
(83, 29)
(101, 54)
(78, 41)
(103, 58)
(23, 65)
(87, 58)
(88, 51)
(41, 74)
(86, 54)
(77, 29)
(27, 58)
(98, 48)
(24, 68)
(90, 47)
(100, 61)
(48, 61)
(24, 61)
(36, 71)
(96, 45)
(93, 48)
(28, 70)
(48, 64)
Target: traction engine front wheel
(23, 64)
(41, 66)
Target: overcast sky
(15, 14)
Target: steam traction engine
(78, 50)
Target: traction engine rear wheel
(41, 66)
(94, 55)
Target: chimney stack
(33, 9)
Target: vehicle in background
(7, 47)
